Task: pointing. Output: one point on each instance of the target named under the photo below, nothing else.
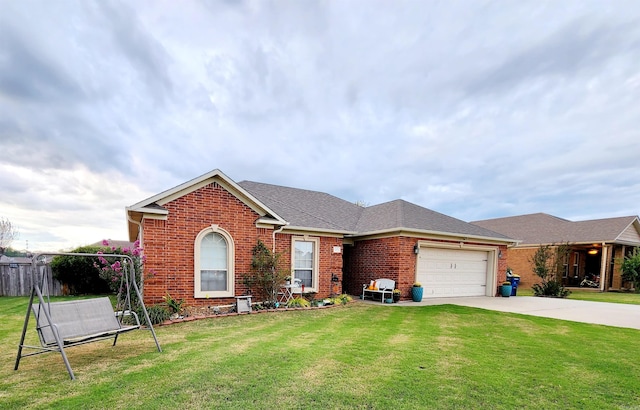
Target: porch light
(593, 251)
(416, 249)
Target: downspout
(141, 242)
(275, 231)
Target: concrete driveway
(601, 313)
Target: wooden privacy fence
(16, 279)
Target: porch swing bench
(80, 321)
(70, 323)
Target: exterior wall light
(416, 249)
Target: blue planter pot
(416, 294)
(505, 290)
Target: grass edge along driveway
(358, 356)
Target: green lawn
(583, 294)
(361, 356)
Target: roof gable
(153, 205)
(156, 201)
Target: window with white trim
(576, 264)
(214, 267)
(305, 261)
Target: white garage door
(452, 272)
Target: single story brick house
(597, 246)
(198, 238)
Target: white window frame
(230, 292)
(315, 273)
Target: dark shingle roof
(403, 214)
(542, 228)
(305, 208)
(312, 209)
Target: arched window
(214, 270)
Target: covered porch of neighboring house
(596, 266)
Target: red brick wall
(330, 263)
(169, 246)
(391, 258)
(519, 263)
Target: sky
(475, 109)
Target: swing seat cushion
(78, 321)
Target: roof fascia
(298, 230)
(582, 243)
(435, 234)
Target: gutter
(275, 231)
(420, 232)
(140, 238)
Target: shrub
(631, 268)
(547, 264)
(157, 314)
(550, 288)
(79, 272)
(174, 305)
(342, 299)
(111, 268)
(267, 273)
(298, 302)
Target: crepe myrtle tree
(8, 234)
(547, 263)
(112, 268)
(267, 273)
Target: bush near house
(79, 272)
(267, 273)
(631, 268)
(547, 264)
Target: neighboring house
(597, 246)
(198, 238)
(114, 243)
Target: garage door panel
(453, 291)
(452, 272)
(441, 280)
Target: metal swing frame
(55, 337)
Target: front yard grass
(361, 356)
(596, 296)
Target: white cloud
(473, 109)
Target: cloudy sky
(476, 109)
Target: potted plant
(396, 295)
(175, 306)
(416, 292)
(505, 289)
